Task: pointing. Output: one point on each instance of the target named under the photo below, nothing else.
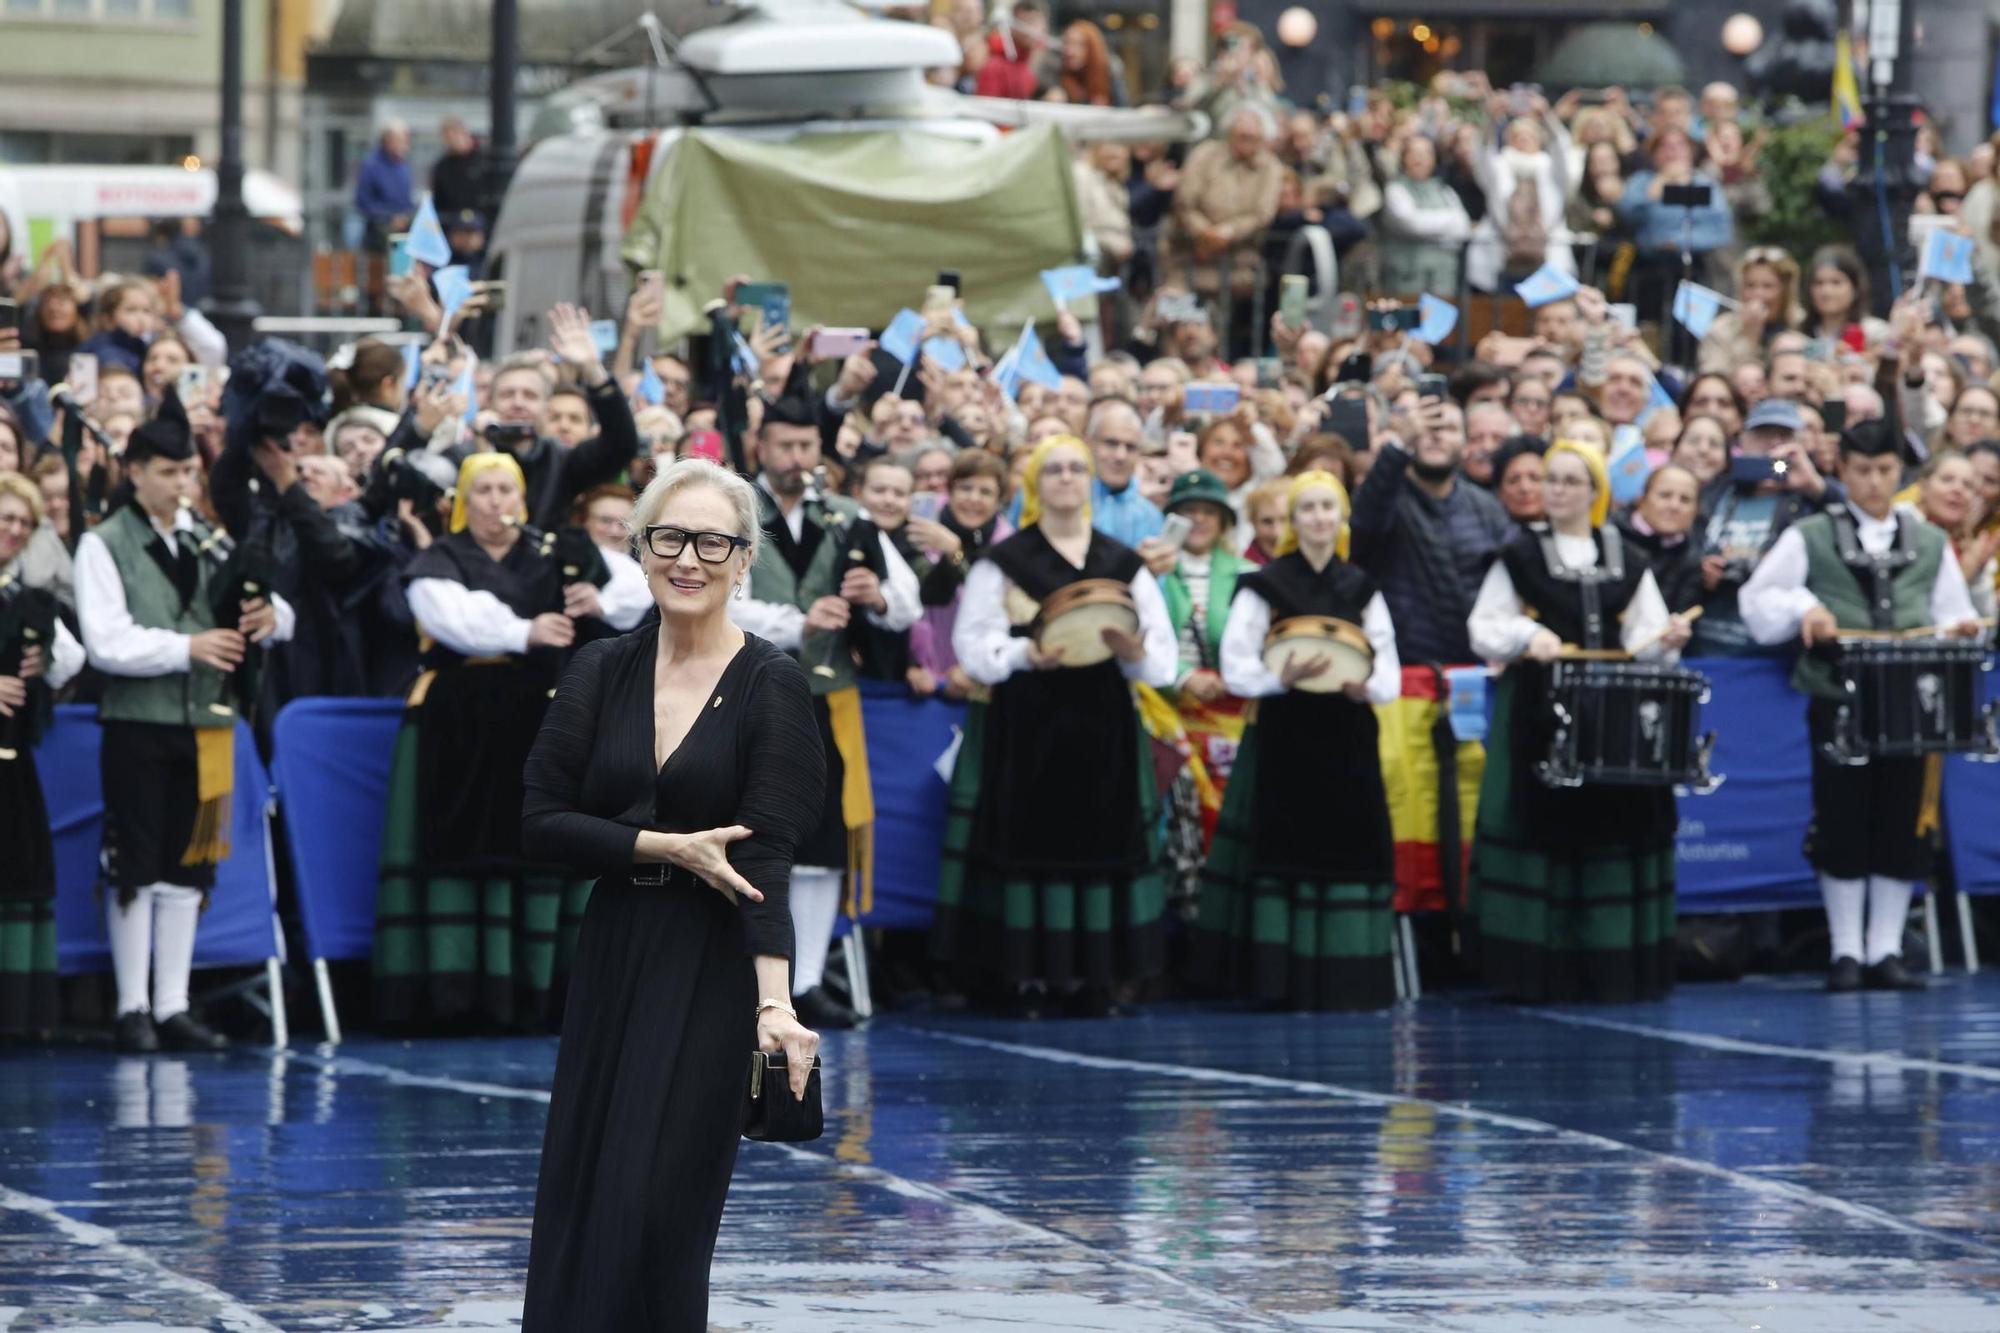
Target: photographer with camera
(275, 389)
(557, 474)
(1769, 485)
(1678, 217)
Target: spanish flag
(1846, 92)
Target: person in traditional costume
(1868, 566)
(1296, 901)
(38, 655)
(467, 930)
(822, 563)
(1209, 719)
(1052, 883)
(149, 579)
(1572, 888)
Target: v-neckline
(1077, 565)
(653, 712)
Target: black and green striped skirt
(1572, 890)
(467, 933)
(1011, 912)
(28, 998)
(1293, 936)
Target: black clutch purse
(770, 1113)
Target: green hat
(1200, 485)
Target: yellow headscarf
(1031, 476)
(1302, 483)
(1600, 480)
(470, 471)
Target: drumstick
(1570, 654)
(1921, 632)
(1690, 615)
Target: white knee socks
(1888, 912)
(131, 929)
(1845, 902)
(815, 904)
(175, 913)
(1886, 904)
(153, 936)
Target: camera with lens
(508, 436)
(423, 479)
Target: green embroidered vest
(198, 697)
(1911, 567)
(772, 579)
(1223, 569)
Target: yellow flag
(1846, 92)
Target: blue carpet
(1751, 1157)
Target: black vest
(1291, 588)
(1581, 606)
(1038, 568)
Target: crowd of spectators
(1443, 460)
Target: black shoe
(1844, 976)
(1889, 974)
(135, 1032)
(182, 1033)
(821, 1012)
(1091, 1002)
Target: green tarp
(860, 224)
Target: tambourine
(1073, 620)
(1344, 644)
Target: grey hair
(1103, 407)
(686, 474)
(909, 458)
(1267, 124)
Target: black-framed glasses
(711, 548)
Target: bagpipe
(574, 558)
(859, 543)
(27, 621)
(238, 572)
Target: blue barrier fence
(239, 926)
(1739, 848)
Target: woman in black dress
(1295, 904)
(680, 763)
(38, 655)
(467, 929)
(1572, 887)
(1052, 883)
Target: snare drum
(1908, 697)
(1073, 619)
(1627, 724)
(1344, 644)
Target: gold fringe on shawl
(857, 798)
(1930, 808)
(215, 782)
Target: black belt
(659, 875)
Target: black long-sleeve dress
(648, 1100)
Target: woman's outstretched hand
(707, 854)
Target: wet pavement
(1751, 1157)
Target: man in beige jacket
(1227, 198)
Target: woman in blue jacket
(1660, 229)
